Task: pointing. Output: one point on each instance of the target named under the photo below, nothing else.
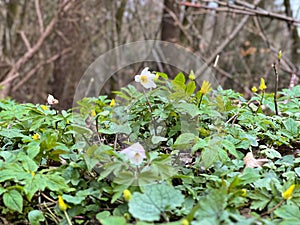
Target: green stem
(261, 100)
(200, 100)
(151, 111)
(68, 218)
(276, 88)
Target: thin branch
(247, 9)
(39, 15)
(26, 42)
(37, 67)
(225, 43)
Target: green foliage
(156, 199)
(193, 169)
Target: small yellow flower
(93, 113)
(156, 77)
(184, 222)
(44, 107)
(61, 203)
(243, 192)
(279, 55)
(32, 173)
(192, 75)
(36, 136)
(126, 195)
(254, 89)
(205, 88)
(112, 102)
(289, 192)
(262, 85)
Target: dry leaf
(251, 162)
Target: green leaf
(156, 199)
(115, 220)
(157, 139)
(12, 133)
(125, 177)
(33, 149)
(180, 78)
(229, 146)
(13, 200)
(35, 216)
(147, 177)
(102, 215)
(211, 207)
(289, 213)
(260, 199)
(56, 183)
(190, 88)
(34, 184)
(185, 141)
(291, 126)
(209, 155)
(178, 84)
(189, 108)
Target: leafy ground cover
(172, 153)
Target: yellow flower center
(144, 79)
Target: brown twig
(37, 67)
(12, 74)
(24, 38)
(225, 43)
(246, 9)
(39, 15)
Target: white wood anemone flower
(135, 153)
(51, 100)
(146, 78)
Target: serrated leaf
(211, 207)
(125, 177)
(56, 183)
(35, 216)
(259, 200)
(290, 213)
(34, 184)
(185, 141)
(209, 155)
(157, 198)
(11, 133)
(13, 200)
(291, 126)
(229, 146)
(189, 108)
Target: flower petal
(137, 78)
(145, 71)
(150, 84)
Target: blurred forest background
(45, 46)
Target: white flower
(51, 100)
(146, 78)
(135, 153)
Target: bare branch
(39, 15)
(247, 9)
(37, 67)
(24, 38)
(226, 42)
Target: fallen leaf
(251, 162)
